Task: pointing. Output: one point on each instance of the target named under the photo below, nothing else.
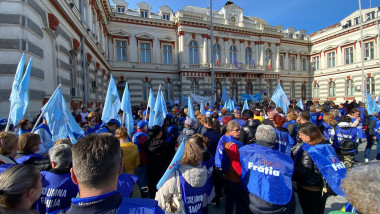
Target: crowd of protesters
(92, 176)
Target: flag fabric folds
(19, 96)
(112, 103)
(217, 60)
(270, 64)
(183, 100)
(59, 118)
(253, 62)
(190, 109)
(236, 62)
(158, 117)
(234, 100)
(245, 107)
(151, 102)
(372, 106)
(126, 107)
(280, 99)
(300, 104)
(225, 96)
(202, 108)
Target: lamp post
(212, 56)
(362, 51)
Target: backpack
(346, 145)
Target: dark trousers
(237, 196)
(312, 202)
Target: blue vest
(5, 167)
(359, 128)
(340, 133)
(125, 184)
(342, 112)
(136, 139)
(361, 109)
(267, 173)
(57, 191)
(43, 126)
(210, 168)
(25, 158)
(327, 133)
(192, 196)
(221, 158)
(139, 206)
(313, 118)
(377, 127)
(328, 163)
(294, 134)
(319, 121)
(284, 142)
(103, 130)
(240, 122)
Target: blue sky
(311, 15)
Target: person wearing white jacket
(46, 138)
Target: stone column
(226, 49)
(277, 54)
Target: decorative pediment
(167, 38)
(233, 7)
(165, 9)
(144, 6)
(120, 33)
(292, 51)
(144, 36)
(301, 32)
(290, 30)
(120, 2)
(368, 36)
(330, 47)
(347, 42)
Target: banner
(199, 99)
(254, 98)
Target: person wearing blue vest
(57, 186)
(8, 148)
(357, 122)
(371, 133)
(139, 139)
(267, 174)
(97, 163)
(46, 137)
(284, 142)
(307, 176)
(320, 112)
(346, 140)
(291, 124)
(24, 126)
(342, 110)
(188, 185)
(110, 127)
(377, 135)
(327, 127)
(313, 115)
(238, 118)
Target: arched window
(303, 91)
(249, 88)
(370, 82)
(120, 88)
(233, 54)
(292, 91)
(248, 56)
(218, 90)
(316, 90)
(268, 56)
(169, 92)
(194, 87)
(270, 89)
(146, 89)
(349, 87)
(217, 52)
(234, 91)
(193, 53)
(331, 89)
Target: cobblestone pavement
(333, 203)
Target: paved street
(333, 203)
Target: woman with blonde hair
(8, 147)
(201, 118)
(328, 126)
(131, 157)
(189, 181)
(20, 187)
(28, 144)
(313, 115)
(291, 124)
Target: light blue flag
(112, 103)
(151, 104)
(59, 118)
(126, 107)
(300, 104)
(202, 108)
(158, 117)
(372, 106)
(234, 99)
(231, 105)
(190, 109)
(245, 106)
(280, 99)
(183, 100)
(378, 98)
(163, 103)
(174, 165)
(225, 96)
(19, 96)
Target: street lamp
(362, 52)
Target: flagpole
(9, 118)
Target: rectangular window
(331, 59)
(120, 9)
(144, 13)
(282, 62)
(168, 54)
(292, 63)
(370, 16)
(166, 16)
(303, 64)
(121, 50)
(290, 35)
(315, 63)
(357, 21)
(349, 55)
(369, 51)
(145, 52)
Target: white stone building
(172, 49)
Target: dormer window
(357, 20)
(144, 13)
(302, 37)
(370, 16)
(347, 24)
(166, 16)
(290, 35)
(120, 9)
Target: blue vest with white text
(192, 196)
(139, 206)
(221, 158)
(209, 164)
(284, 142)
(359, 128)
(294, 134)
(328, 132)
(328, 163)
(314, 118)
(267, 173)
(25, 158)
(340, 133)
(57, 191)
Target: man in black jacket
(248, 130)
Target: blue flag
(190, 109)
(19, 96)
(234, 99)
(300, 104)
(254, 98)
(253, 62)
(183, 100)
(163, 103)
(59, 118)
(174, 165)
(112, 103)
(126, 107)
(225, 96)
(236, 62)
(231, 105)
(280, 99)
(245, 106)
(158, 117)
(151, 103)
(202, 108)
(372, 106)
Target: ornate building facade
(80, 43)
